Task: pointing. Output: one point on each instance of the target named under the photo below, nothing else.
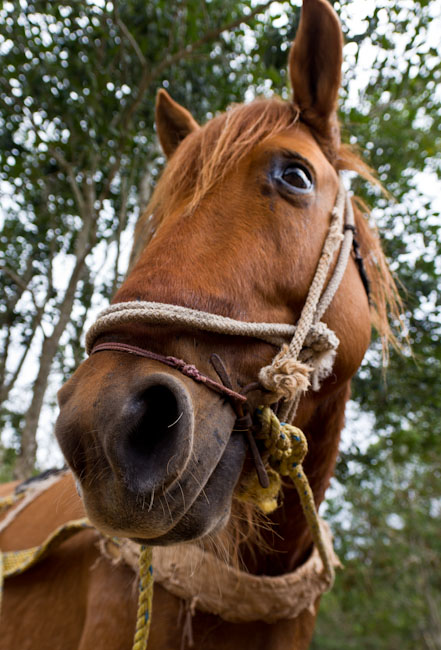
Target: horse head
(235, 227)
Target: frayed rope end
(286, 377)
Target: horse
(235, 228)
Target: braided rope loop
(158, 313)
(287, 447)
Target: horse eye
(298, 177)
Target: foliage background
(78, 158)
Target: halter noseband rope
(307, 349)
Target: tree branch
(7, 385)
(211, 35)
(20, 283)
(132, 40)
(149, 75)
(68, 168)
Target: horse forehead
(298, 139)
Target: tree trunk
(8, 383)
(26, 460)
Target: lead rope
(145, 598)
(287, 447)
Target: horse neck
(289, 537)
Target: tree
(77, 89)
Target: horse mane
(386, 304)
(210, 153)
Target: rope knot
(286, 444)
(319, 352)
(187, 369)
(297, 450)
(286, 377)
(320, 338)
(287, 447)
(191, 371)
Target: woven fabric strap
(210, 585)
(16, 562)
(197, 576)
(13, 563)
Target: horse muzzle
(153, 451)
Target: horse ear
(315, 67)
(173, 122)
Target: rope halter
(307, 349)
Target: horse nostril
(158, 422)
(159, 426)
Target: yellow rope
(287, 448)
(144, 599)
(266, 499)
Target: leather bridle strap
(186, 369)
